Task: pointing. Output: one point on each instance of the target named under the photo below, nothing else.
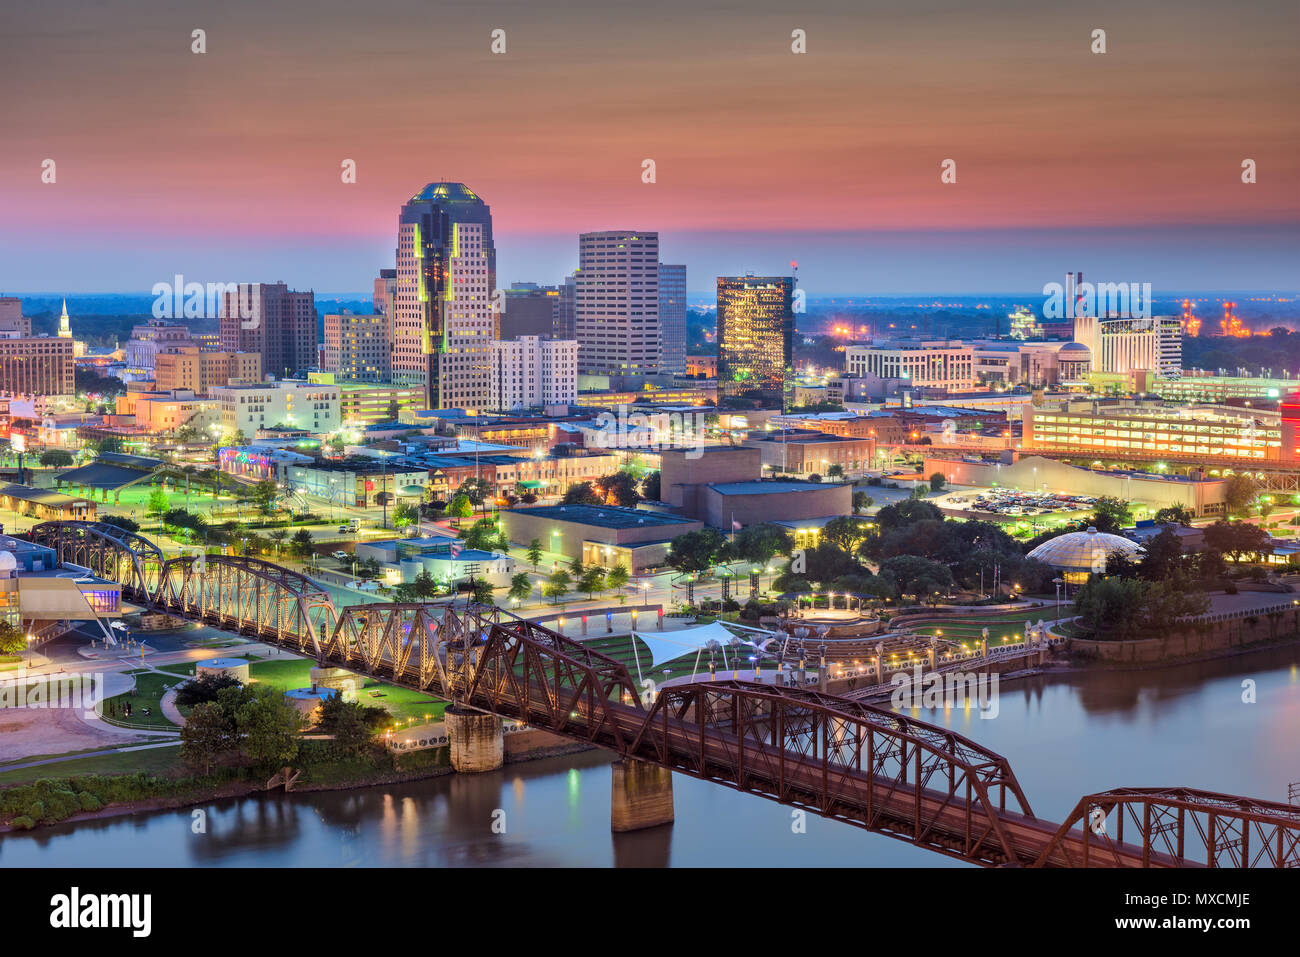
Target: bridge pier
(475, 740)
(641, 797)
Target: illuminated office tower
(672, 319)
(424, 248)
(616, 303)
(755, 338)
(469, 323)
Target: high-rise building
(1129, 345)
(925, 363)
(12, 318)
(531, 310)
(672, 319)
(566, 319)
(358, 347)
(755, 338)
(274, 320)
(469, 322)
(531, 372)
(36, 366)
(384, 291)
(424, 247)
(616, 304)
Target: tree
(481, 591)
(301, 545)
(650, 489)
(617, 579)
(393, 410)
(269, 725)
(592, 580)
(205, 689)
(12, 639)
(521, 586)
(208, 733)
(485, 535)
(582, 493)
(937, 481)
(861, 502)
(846, 533)
(476, 490)
(1174, 513)
(696, 551)
(352, 724)
(55, 458)
(1111, 515)
(619, 489)
(1238, 494)
(460, 506)
(1237, 539)
(404, 516)
(836, 471)
(158, 503)
(279, 536)
(535, 552)
(917, 576)
(558, 585)
(760, 543)
(907, 512)
(265, 493)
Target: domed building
(1076, 555)
(1073, 362)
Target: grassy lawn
(402, 703)
(149, 691)
(152, 760)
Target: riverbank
(338, 775)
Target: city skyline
(1127, 162)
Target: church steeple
(65, 324)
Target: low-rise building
(602, 535)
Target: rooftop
(604, 516)
(768, 487)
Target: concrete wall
(1202, 638)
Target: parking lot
(1033, 509)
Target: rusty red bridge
(845, 760)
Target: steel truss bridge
(841, 759)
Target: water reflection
(1065, 735)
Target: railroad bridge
(845, 760)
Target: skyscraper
(755, 338)
(275, 321)
(672, 319)
(616, 303)
(469, 323)
(424, 248)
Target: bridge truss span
(111, 553)
(1176, 827)
(841, 759)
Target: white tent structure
(665, 647)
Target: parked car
(342, 556)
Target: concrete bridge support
(475, 740)
(642, 796)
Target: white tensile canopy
(665, 646)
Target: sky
(225, 166)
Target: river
(1065, 736)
